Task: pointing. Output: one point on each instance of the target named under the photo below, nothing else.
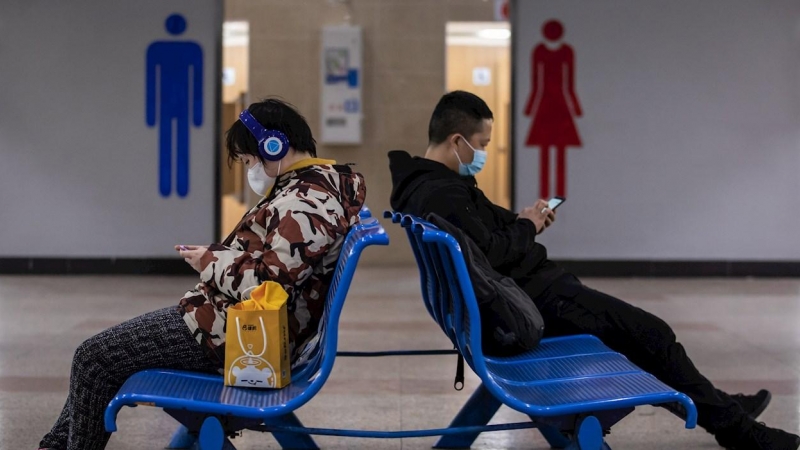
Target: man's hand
(541, 216)
(551, 217)
(192, 254)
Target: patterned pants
(101, 365)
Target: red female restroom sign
(553, 106)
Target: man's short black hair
(273, 114)
(458, 112)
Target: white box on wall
(341, 106)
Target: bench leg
(226, 445)
(575, 446)
(479, 410)
(182, 439)
(589, 436)
(553, 435)
(292, 440)
(212, 435)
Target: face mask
(478, 160)
(259, 181)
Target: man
(442, 182)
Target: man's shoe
(753, 405)
(757, 436)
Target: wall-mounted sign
(625, 123)
(341, 85)
(481, 76)
(228, 76)
(146, 178)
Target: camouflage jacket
(293, 237)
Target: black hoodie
(421, 186)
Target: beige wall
(404, 76)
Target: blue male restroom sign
(174, 79)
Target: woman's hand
(192, 254)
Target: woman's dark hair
(458, 112)
(272, 114)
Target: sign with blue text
(341, 106)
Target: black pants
(568, 307)
(101, 365)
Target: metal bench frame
(573, 388)
(211, 413)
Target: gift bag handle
(241, 344)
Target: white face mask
(258, 179)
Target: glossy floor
(741, 333)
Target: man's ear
(453, 139)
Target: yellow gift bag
(257, 340)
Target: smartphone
(555, 202)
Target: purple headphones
(272, 144)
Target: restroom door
(479, 61)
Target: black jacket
(422, 186)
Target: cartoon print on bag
(251, 376)
(245, 368)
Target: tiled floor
(742, 334)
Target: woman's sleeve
(297, 230)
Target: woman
(292, 236)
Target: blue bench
(211, 412)
(573, 388)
